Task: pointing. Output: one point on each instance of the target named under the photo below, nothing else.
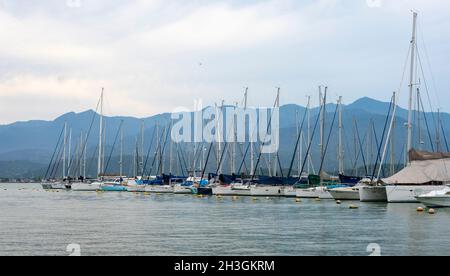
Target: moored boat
(289, 191)
(86, 187)
(160, 189)
(54, 186)
(348, 193)
(436, 199)
(427, 172)
(370, 191)
(266, 190)
(116, 185)
(183, 188)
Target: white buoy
(420, 209)
(353, 207)
(431, 212)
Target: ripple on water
(35, 222)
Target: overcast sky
(155, 55)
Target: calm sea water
(37, 222)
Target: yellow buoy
(255, 199)
(431, 212)
(298, 200)
(317, 199)
(235, 198)
(353, 207)
(420, 209)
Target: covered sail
(425, 168)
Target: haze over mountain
(26, 147)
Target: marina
(226, 128)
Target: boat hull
(289, 192)
(270, 191)
(373, 194)
(435, 202)
(114, 188)
(206, 191)
(54, 186)
(408, 193)
(85, 187)
(223, 191)
(323, 193)
(136, 189)
(307, 193)
(163, 189)
(345, 193)
(182, 190)
(316, 192)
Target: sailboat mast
(170, 150)
(251, 128)
(85, 155)
(70, 153)
(234, 153)
(393, 137)
(80, 154)
(100, 143)
(64, 151)
(341, 148)
(411, 83)
(322, 134)
(309, 133)
(438, 132)
(271, 126)
(297, 121)
(121, 151)
(141, 162)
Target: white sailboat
(86, 187)
(95, 186)
(54, 186)
(425, 172)
(314, 192)
(350, 193)
(372, 192)
(266, 190)
(59, 185)
(159, 189)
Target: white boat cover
(425, 168)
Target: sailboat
(319, 185)
(425, 172)
(96, 185)
(271, 186)
(370, 189)
(54, 163)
